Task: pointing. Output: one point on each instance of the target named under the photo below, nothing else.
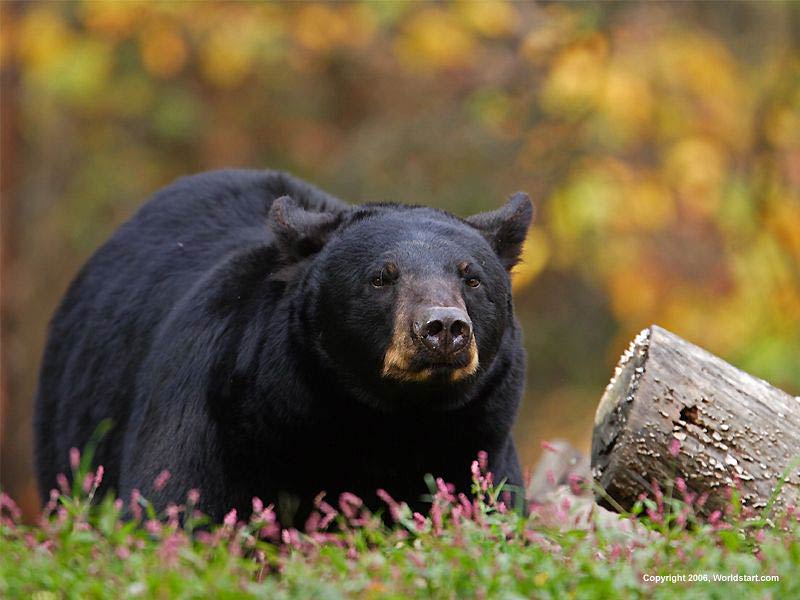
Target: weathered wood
(674, 410)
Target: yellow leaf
(163, 49)
(116, 20)
(576, 80)
(626, 100)
(226, 56)
(43, 37)
(318, 26)
(695, 167)
(492, 19)
(648, 205)
(433, 39)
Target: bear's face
(409, 299)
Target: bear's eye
(472, 282)
(389, 274)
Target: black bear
(255, 336)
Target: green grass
(465, 548)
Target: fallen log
(675, 410)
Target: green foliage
(464, 548)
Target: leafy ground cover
(464, 547)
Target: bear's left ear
(298, 231)
(506, 227)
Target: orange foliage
(662, 146)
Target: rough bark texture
(674, 410)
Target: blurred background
(661, 142)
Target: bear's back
(102, 331)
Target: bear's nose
(443, 330)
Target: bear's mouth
(417, 364)
(426, 360)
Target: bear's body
(271, 348)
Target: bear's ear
(506, 227)
(298, 231)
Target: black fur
(230, 332)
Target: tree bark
(674, 410)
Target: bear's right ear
(300, 232)
(506, 228)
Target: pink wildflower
(674, 447)
(312, 523)
(10, 506)
(475, 470)
(173, 512)
(153, 526)
(659, 495)
(350, 504)
(168, 551)
(193, 497)
(63, 483)
(456, 514)
(616, 552)
(290, 537)
(329, 512)
(136, 508)
(161, 480)
(548, 446)
(394, 507)
(74, 459)
(258, 505)
(466, 505)
(98, 477)
(436, 519)
(551, 477)
(204, 537)
(50, 506)
(681, 519)
(417, 559)
(483, 460)
(231, 518)
(444, 490)
(576, 484)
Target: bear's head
(411, 305)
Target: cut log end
(674, 410)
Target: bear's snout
(444, 331)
